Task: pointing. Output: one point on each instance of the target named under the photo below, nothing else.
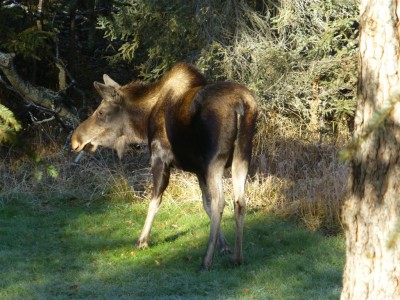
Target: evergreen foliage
(8, 125)
(19, 34)
(291, 53)
(153, 34)
(30, 43)
(300, 56)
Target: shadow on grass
(87, 252)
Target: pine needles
(9, 125)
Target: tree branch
(39, 96)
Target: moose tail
(247, 115)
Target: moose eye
(101, 114)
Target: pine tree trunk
(92, 25)
(371, 215)
(72, 44)
(39, 21)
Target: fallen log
(51, 101)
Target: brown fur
(188, 124)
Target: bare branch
(41, 97)
(37, 122)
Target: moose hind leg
(215, 187)
(239, 174)
(161, 172)
(221, 241)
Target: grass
(295, 173)
(72, 236)
(78, 249)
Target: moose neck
(140, 99)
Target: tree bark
(92, 24)
(40, 96)
(39, 21)
(72, 43)
(371, 214)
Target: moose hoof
(206, 266)
(141, 244)
(237, 261)
(225, 250)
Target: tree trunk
(371, 215)
(72, 43)
(92, 25)
(39, 21)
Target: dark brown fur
(189, 124)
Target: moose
(189, 124)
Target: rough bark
(72, 50)
(40, 96)
(39, 21)
(371, 215)
(92, 24)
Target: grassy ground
(72, 249)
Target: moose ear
(110, 82)
(107, 92)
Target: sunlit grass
(73, 250)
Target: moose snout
(79, 142)
(75, 144)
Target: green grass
(70, 250)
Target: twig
(35, 122)
(38, 107)
(79, 156)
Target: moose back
(189, 124)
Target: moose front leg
(161, 172)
